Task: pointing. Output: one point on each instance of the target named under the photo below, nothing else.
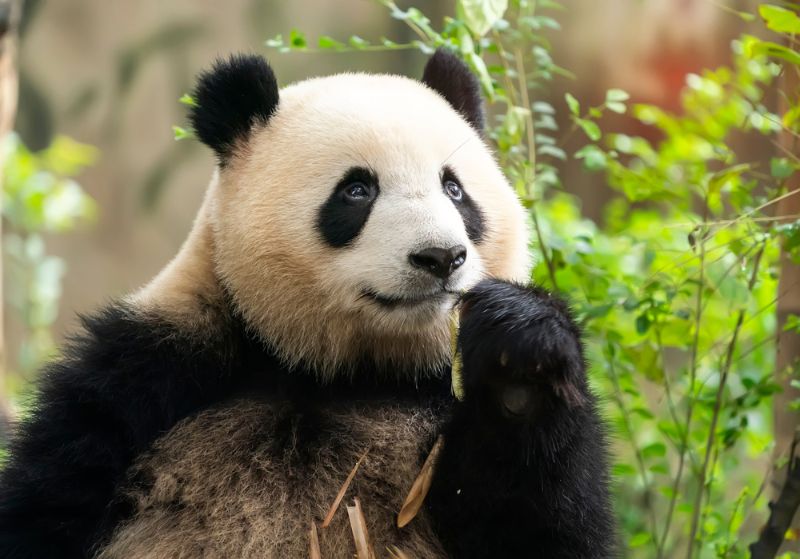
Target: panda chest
(248, 480)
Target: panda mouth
(394, 301)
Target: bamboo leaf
(780, 19)
(342, 491)
(481, 15)
(420, 487)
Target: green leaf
(481, 15)
(552, 151)
(640, 539)
(187, 100)
(180, 133)
(667, 491)
(642, 323)
(616, 107)
(66, 157)
(329, 43)
(590, 127)
(780, 19)
(297, 40)
(781, 167)
(791, 117)
(646, 358)
(643, 412)
(654, 450)
(617, 95)
(479, 67)
(773, 50)
(621, 470)
(659, 468)
(574, 105)
(791, 235)
(594, 158)
(357, 42)
(276, 42)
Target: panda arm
(124, 382)
(523, 470)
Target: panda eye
(357, 192)
(454, 190)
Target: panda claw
(521, 343)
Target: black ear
(231, 98)
(446, 74)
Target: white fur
(294, 288)
(304, 297)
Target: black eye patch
(347, 209)
(471, 214)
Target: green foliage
(676, 287)
(39, 197)
(780, 19)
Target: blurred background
(108, 73)
(99, 191)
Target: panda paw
(521, 350)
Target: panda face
(402, 226)
(406, 244)
(347, 224)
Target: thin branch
(531, 140)
(629, 433)
(523, 91)
(692, 378)
(712, 429)
(551, 271)
(349, 49)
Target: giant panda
(303, 329)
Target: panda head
(350, 211)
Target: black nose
(441, 262)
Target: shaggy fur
(129, 378)
(526, 442)
(450, 77)
(247, 481)
(216, 412)
(230, 99)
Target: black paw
(520, 349)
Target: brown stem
(782, 511)
(785, 419)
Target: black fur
(340, 218)
(127, 380)
(471, 214)
(446, 74)
(235, 95)
(523, 476)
